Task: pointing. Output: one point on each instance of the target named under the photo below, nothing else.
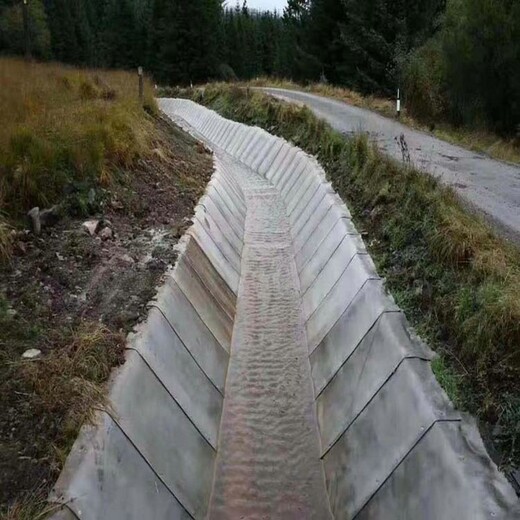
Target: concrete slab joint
(274, 376)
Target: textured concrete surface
(274, 377)
(268, 463)
(491, 186)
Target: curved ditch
(274, 377)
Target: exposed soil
(74, 297)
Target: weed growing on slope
(457, 282)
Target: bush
(424, 84)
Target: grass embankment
(79, 140)
(457, 282)
(63, 131)
(478, 140)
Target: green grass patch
(457, 282)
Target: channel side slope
(391, 443)
(151, 451)
(491, 186)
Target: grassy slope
(481, 141)
(63, 131)
(457, 282)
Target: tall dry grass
(64, 129)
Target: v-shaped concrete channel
(274, 377)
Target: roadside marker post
(398, 107)
(141, 84)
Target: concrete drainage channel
(274, 378)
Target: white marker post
(141, 84)
(398, 103)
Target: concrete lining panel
(204, 220)
(219, 261)
(323, 280)
(238, 141)
(408, 405)
(330, 230)
(319, 323)
(296, 183)
(209, 209)
(447, 475)
(209, 128)
(140, 400)
(304, 187)
(264, 159)
(232, 136)
(284, 165)
(217, 131)
(210, 277)
(319, 258)
(166, 355)
(318, 202)
(223, 216)
(193, 332)
(228, 198)
(347, 333)
(259, 152)
(249, 134)
(319, 214)
(224, 134)
(250, 148)
(372, 361)
(305, 199)
(292, 172)
(207, 307)
(279, 160)
(107, 478)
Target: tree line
(454, 60)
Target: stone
(32, 353)
(106, 234)
(91, 227)
(34, 216)
(49, 217)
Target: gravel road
(491, 186)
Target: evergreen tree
(12, 35)
(184, 40)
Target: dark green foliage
(468, 72)
(12, 29)
(184, 40)
(455, 61)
